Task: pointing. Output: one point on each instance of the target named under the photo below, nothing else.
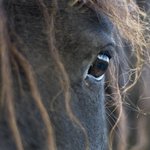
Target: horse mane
(124, 15)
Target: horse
(54, 55)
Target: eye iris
(99, 66)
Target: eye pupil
(99, 66)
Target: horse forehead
(80, 26)
(77, 11)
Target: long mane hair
(125, 16)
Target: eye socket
(99, 67)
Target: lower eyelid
(94, 78)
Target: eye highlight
(99, 67)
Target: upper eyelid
(108, 50)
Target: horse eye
(99, 66)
